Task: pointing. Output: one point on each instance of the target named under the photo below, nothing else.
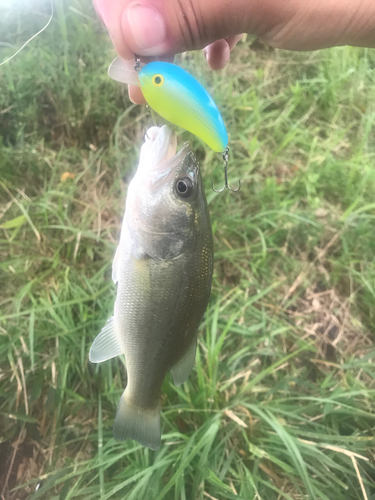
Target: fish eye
(184, 187)
(158, 80)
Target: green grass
(280, 404)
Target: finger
(217, 54)
(160, 27)
(135, 95)
(109, 13)
(233, 40)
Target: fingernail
(147, 26)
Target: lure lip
(123, 71)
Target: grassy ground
(281, 402)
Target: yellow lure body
(179, 98)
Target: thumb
(166, 27)
(155, 28)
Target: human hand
(162, 28)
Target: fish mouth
(160, 143)
(159, 151)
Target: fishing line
(30, 39)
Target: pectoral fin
(182, 369)
(106, 345)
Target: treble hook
(226, 185)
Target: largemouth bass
(163, 267)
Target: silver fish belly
(163, 267)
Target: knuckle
(190, 23)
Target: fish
(176, 96)
(163, 269)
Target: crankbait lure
(179, 98)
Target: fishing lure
(179, 98)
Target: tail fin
(133, 422)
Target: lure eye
(184, 187)
(158, 80)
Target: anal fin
(181, 370)
(106, 345)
